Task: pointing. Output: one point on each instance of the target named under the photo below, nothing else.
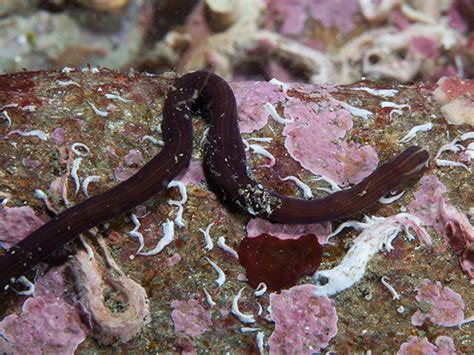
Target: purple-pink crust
(16, 223)
(258, 226)
(337, 14)
(425, 204)
(250, 99)
(432, 208)
(304, 322)
(415, 345)
(47, 325)
(316, 140)
(190, 317)
(441, 305)
(194, 174)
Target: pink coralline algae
(59, 135)
(250, 98)
(121, 173)
(304, 323)
(258, 226)
(441, 305)
(53, 284)
(455, 18)
(45, 326)
(29, 163)
(426, 201)
(450, 88)
(460, 235)
(455, 96)
(16, 223)
(190, 317)
(425, 46)
(414, 345)
(292, 13)
(134, 157)
(133, 161)
(5, 346)
(431, 207)
(344, 162)
(194, 174)
(173, 259)
(338, 14)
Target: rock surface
(46, 113)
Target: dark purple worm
(226, 167)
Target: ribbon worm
(225, 166)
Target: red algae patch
(279, 263)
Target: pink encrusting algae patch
(16, 223)
(426, 201)
(460, 235)
(337, 14)
(133, 161)
(432, 208)
(304, 322)
(134, 157)
(173, 259)
(441, 305)
(315, 140)
(427, 47)
(46, 325)
(250, 99)
(29, 162)
(52, 284)
(293, 15)
(59, 135)
(455, 19)
(455, 96)
(258, 226)
(194, 174)
(414, 345)
(121, 173)
(451, 87)
(190, 317)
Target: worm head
(412, 160)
